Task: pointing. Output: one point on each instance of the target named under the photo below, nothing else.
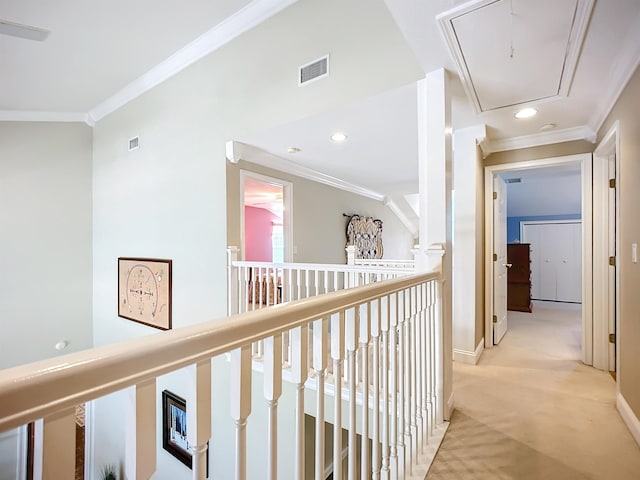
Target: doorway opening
(569, 266)
(266, 218)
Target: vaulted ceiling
(568, 59)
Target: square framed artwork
(144, 291)
(174, 427)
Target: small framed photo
(144, 291)
(174, 427)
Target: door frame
(287, 213)
(585, 162)
(609, 145)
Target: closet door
(569, 277)
(548, 259)
(556, 260)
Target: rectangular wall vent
(313, 71)
(134, 143)
(514, 180)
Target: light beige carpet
(531, 410)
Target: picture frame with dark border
(174, 427)
(144, 291)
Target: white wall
(45, 207)
(467, 242)
(319, 228)
(168, 198)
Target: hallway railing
(383, 341)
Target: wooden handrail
(36, 390)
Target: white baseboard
(463, 356)
(629, 418)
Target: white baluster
(394, 387)
(424, 363)
(408, 442)
(413, 411)
(300, 372)
(55, 446)
(438, 347)
(375, 385)
(432, 362)
(199, 416)
(272, 392)
(363, 314)
(337, 352)
(240, 405)
(351, 339)
(320, 344)
(402, 454)
(419, 365)
(384, 375)
(140, 453)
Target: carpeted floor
(531, 410)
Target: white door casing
(500, 256)
(584, 160)
(606, 239)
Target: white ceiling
(98, 50)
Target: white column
(468, 218)
(435, 185)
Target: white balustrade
(376, 347)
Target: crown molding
(625, 65)
(33, 116)
(583, 132)
(245, 19)
(236, 151)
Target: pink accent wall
(257, 234)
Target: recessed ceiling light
(548, 126)
(293, 149)
(338, 137)
(526, 113)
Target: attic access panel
(513, 52)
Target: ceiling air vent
(134, 143)
(313, 71)
(514, 180)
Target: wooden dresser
(519, 277)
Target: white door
(556, 260)
(500, 259)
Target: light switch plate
(634, 252)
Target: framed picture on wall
(174, 427)
(144, 291)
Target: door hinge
(612, 338)
(495, 195)
(612, 261)
(612, 183)
(495, 257)
(495, 319)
